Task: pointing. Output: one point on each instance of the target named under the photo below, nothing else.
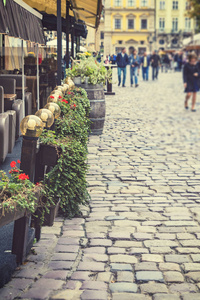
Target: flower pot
(77, 80)
(50, 217)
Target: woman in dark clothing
(190, 78)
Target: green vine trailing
(67, 180)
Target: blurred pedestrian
(191, 80)
(155, 63)
(122, 61)
(134, 67)
(145, 63)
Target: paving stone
(172, 276)
(123, 259)
(104, 276)
(128, 244)
(81, 275)
(91, 266)
(61, 265)
(166, 297)
(66, 248)
(195, 276)
(183, 288)
(114, 267)
(191, 296)
(146, 266)
(152, 257)
(57, 274)
(177, 258)
(195, 257)
(123, 287)
(94, 295)
(153, 288)
(149, 276)
(159, 250)
(48, 283)
(64, 256)
(94, 285)
(36, 293)
(191, 267)
(129, 296)
(100, 242)
(169, 267)
(124, 276)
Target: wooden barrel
(98, 107)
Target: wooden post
(109, 85)
(28, 157)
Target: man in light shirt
(145, 62)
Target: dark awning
(16, 21)
(50, 23)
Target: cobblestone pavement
(140, 237)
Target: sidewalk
(140, 237)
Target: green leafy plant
(89, 67)
(17, 192)
(67, 180)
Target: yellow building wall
(124, 3)
(168, 13)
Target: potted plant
(18, 194)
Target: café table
(9, 100)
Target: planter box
(48, 155)
(50, 217)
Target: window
(187, 5)
(117, 23)
(130, 23)
(144, 24)
(131, 3)
(143, 3)
(175, 24)
(118, 3)
(102, 35)
(161, 24)
(162, 5)
(187, 24)
(120, 42)
(161, 42)
(174, 5)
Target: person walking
(134, 67)
(122, 61)
(191, 80)
(155, 63)
(145, 63)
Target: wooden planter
(48, 155)
(50, 217)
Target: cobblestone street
(140, 237)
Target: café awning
(88, 11)
(20, 21)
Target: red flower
(60, 97)
(13, 164)
(37, 183)
(23, 176)
(74, 105)
(63, 100)
(52, 97)
(19, 162)
(13, 171)
(69, 93)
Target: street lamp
(46, 116)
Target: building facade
(130, 24)
(173, 23)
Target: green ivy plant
(67, 180)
